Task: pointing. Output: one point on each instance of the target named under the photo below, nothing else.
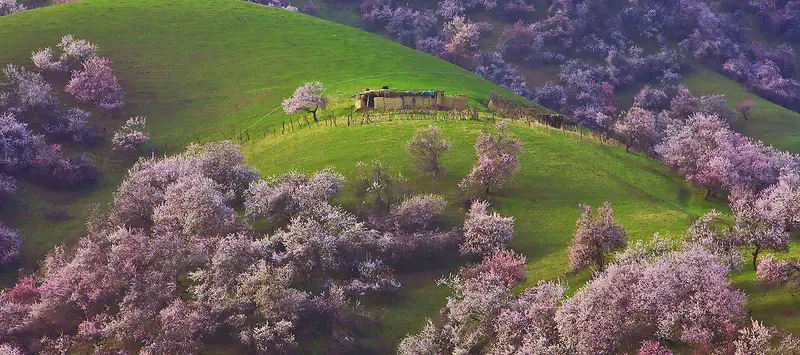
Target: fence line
(330, 120)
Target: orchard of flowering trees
(652, 296)
(598, 46)
(27, 96)
(173, 253)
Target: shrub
(639, 128)
(74, 171)
(418, 213)
(27, 90)
(498, 160)
(310, 8)
(379, 186)
(9, 246)
(10, 6)
(630, 303)
(651, 98)
(520, 41)
(283, 197)
(20, 146)
(74, 125)
(745, 106)
(75, 51)
(409, 25)
(515, 10)
(434, 46)
(130, 136)
(492, 67)
(550, 96)
(43, 59)
(97, 84)
(463, 36)
(486, 233)
(376, 12)
(8, 186)
(595, 237)
(504, 263)
(426, 147)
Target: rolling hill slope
(559, 172)
(203, 65)
(201, 69)
(769, 122)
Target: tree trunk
(487, 188)
(314, 113)
(755, 255)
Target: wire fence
(327, 119)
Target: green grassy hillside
(768, 122)
(559, 171)
(202, 65)
(202, 69)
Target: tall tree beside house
(498, 160)
(307, 98)
(426, 147)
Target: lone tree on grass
(426, 146)
(97, 84)
(130, 136)
(498, 160)
(307, 98)
(594, 237)
(745, 106)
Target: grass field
(202, 70)
(559, 171)
(768, 121)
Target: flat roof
(390, 92)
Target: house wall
(417, 101)
(460, 103)
(388, 103)
(421, 102)
(359, 103)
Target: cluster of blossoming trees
(28, 96)
(578, 35)
(172, 264)
(654, 294)
(692, 135)
(10, 7)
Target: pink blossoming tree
(97, 84)
(595, 237)
(131, 136)
(307, 98)
(498, 160)
(485, 233)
